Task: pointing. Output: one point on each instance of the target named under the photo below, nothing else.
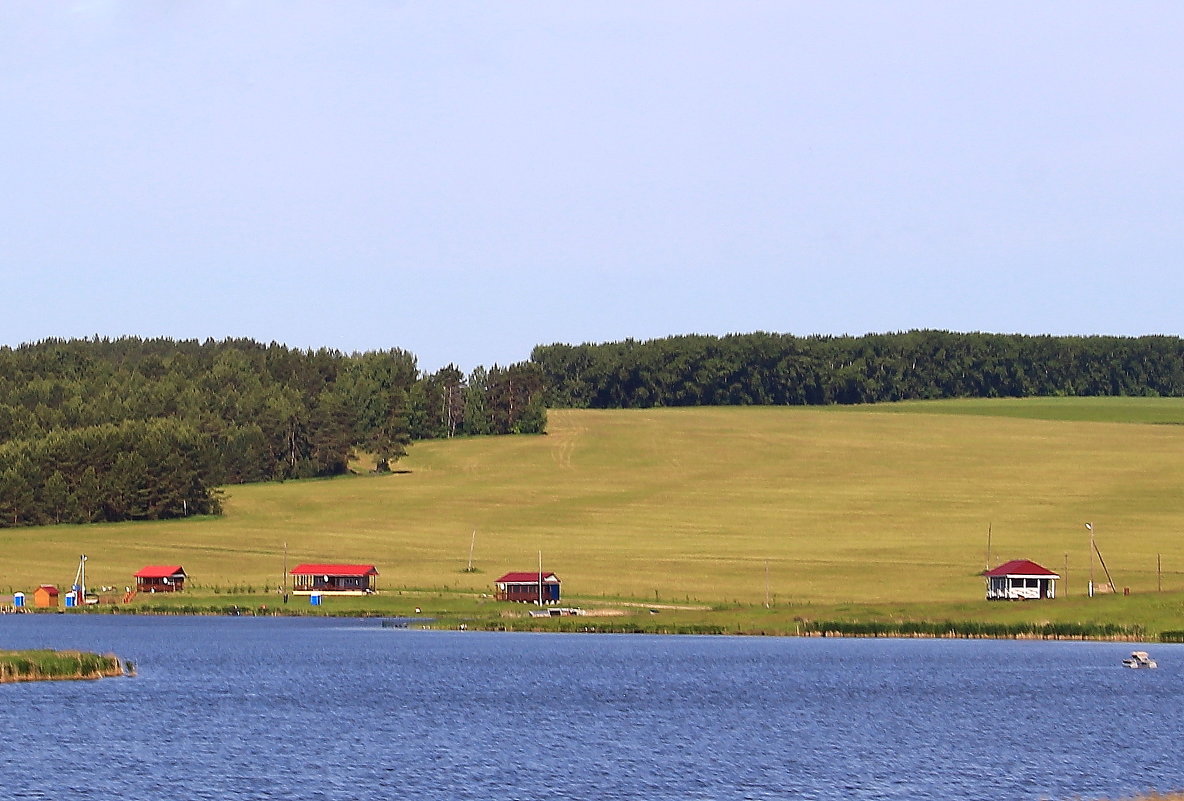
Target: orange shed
(45, 596)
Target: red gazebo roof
(334, 570)
(160, 571)
(1021, 567)
(525, 578)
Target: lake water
(242, 708)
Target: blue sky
(466, 180)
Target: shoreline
(614, 624)
(1152, 618)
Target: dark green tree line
(763, 368)
(129, 429)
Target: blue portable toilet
(71, 599)
(315, 599)
(18, 600)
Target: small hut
(161, 578)
(528, 588)
(45, 596)
(1019, 580)
(334, 579)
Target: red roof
(334, 570)
(49, 589)
(525, 578)
(1021, 567)
(160, 571)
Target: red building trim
(1021, 567)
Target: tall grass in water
(967, 629)
(972, 629)
(45, 664)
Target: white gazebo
(1019, 580)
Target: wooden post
(1109, 580)
(1159, 572)
(767, 584)
(988, 546)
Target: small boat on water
(1139, 659)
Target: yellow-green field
(843, 509)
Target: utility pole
(1090, 526)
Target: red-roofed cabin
(161, 578)
(45, 596)
(338, 579)
(526, 588)
(1021, 579)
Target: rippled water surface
(241, 708)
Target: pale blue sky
(469, 179)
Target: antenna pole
(540, 579)
(472, 544)
(79, 587)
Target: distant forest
(764, 369)
(134, 429)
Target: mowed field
(800, 505)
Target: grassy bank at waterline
(1143, 617)
(47, 665)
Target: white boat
(557, 611)
(1139, 659)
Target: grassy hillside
(1099, 410)
(870, 506)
